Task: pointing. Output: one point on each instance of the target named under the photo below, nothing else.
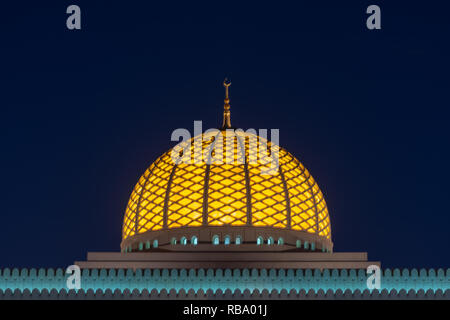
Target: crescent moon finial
(226, 124)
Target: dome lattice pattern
(170, 195)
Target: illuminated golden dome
(170, 195)
(219, 185)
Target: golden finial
(226, 124)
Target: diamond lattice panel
(151, 208)
(185, 203)
(186, 196)
(324, 221)
(129, 223)
(227, 201)
(304, 195)
(267, 191)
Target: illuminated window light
(194, 240)
(306, 245)
(227, 240)
(215, 239)
(259, 240)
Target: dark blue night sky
(85, 112)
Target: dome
(222, 187)
(230, 194)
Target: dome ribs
(268, 193)
(166, 199)
(185, 199)
(248, 190)
(152, 205)
(296, 171)
(228, 191)
(227, 198)
(288, 203)
(311, 185)
(206, 184)
(205, 195)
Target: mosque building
(219, 229)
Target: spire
(226, 124)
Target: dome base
(212, 262)
(226, 238)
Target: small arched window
(259, 240)
(227, 240)
(306, 245)
(270, 241)
(238, 240)
(280, 241)
(215, 239)
(183, 241)
(313, 246)
(173, 241)
(141, 246)
(155, 243)
(298, 243)
(194, 240)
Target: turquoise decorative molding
(145, 294)
(200, 280)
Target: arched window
(227, 240)
(183, 241)
(298, 243)
(259, 240)
(238, 240)
(306, 245)
(147, 244)
(141, 246)
(194, 240)
(173, 241)
(215, 239)
(313, 246)
(270, 241)
(280, 241)
(155, 243)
